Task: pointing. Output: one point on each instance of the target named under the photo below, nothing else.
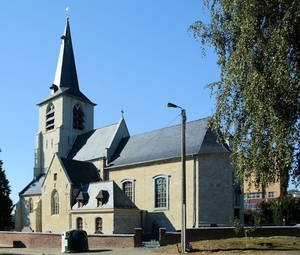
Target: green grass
(272, 245)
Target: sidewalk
(104, 251)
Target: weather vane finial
(67, 12)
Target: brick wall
(50, 240)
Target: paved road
(104, 251)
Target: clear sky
(130, 55)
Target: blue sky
(130, 55)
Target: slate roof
(92, 145)
(166, 143)
(66, 81)
(80, 172)
(34, 187)
(117, 199)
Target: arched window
(55, 202)
(30, 203)
(79, 223)
(98, 225)
(78, 117)
(161, 192)
(128, 188)
(50, 118)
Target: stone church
(105, 181)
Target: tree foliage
(284, 210)
(5, 201)
(257, 95)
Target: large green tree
(257, 96)
(5, 201)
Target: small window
(79, 223)
(98, 225)
(161, 192)
(271, 194)
(55, 202)
(78, 118)
(128, 188)
(55, 177)
(50, 118)
(30, 202)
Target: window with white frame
(128, 188)
(254, 195)
(161, 191)
(55, 202)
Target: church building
(106, 181)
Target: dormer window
(78, 117)
(50, 118)
(102, 197)
(82, 198)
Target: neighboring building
(254, 196)
(106, 181)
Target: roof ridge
(155, 130)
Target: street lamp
(183, 191)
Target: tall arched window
(161, 192)
(50, 118)
(78, 117)
(55, 202)
(79, 223)
(128, 188)
(98, 225)
(30, 202)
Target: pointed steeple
(66, 75)
(66, 80)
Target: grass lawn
(271, 245)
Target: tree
(258, 93)
(5, 201)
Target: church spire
(66, 75)
(66, 81)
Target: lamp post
(183, 191)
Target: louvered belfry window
(78, 117)
(50, 118)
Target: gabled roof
(80, 172)
(116, 198)
(97, 143)
(34, 187)
(166, 143)
(66, 81)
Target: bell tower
(65, 113)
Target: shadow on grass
(99, 250)
(243, 250)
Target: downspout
(194, 189)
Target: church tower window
(55, 202)
(50, 118)
(78, 117)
